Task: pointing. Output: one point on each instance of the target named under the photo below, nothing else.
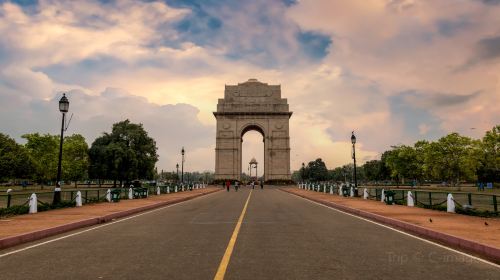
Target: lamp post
(63, 108)
(182, 168)
(177, 166)
(303, 171)
(353, 141)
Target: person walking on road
(261, 185)
(236, 185)
(253, 185)
(228, 184)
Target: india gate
(252, 105)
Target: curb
(40, 234)
(490, 253)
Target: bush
(14, 210)
(24, 209)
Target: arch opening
(252, 155)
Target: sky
(394, 71)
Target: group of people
(236, 185)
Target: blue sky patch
(314, 44)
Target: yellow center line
(229, 250)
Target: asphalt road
(281, 237)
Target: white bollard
(365, 193)
(450, 204)
(324, 188)
(382, 196)
(78, 199)
(352, 192)
(410, 200)
(33, 204)
(158, 191)
(340, 189)
(130, 193)
(331, 189)
(175, 189)
(108, 195)
(168, 189)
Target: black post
(303, 171)
(177, 166)
(353, 140)
(182, 168)
(57, 190)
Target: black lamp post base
(57, 196)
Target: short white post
(168, 189)
(352, 192)
(450, 204)
(158, 191)
(108, 195)
(130, 193)
(382, 196)
(365, 193)
(340, 189)
(175, 188)
(410, 200)
(78, 199)
(33, 204)
(331, 189)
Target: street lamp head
(303, 165)
(353, 138)
(177, 166)
(182, 151)
(64, 104)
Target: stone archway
(252, 105)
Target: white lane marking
(97, 227)
(402, 232)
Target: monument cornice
(289, 114)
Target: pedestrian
(236, 185)
(261, 185)
(228, 184)
(253, 185)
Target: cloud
(385, 69)
(170, 125)
(489, 48)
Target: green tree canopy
(15, 161)
(75, 158)
(44, 150)
(316, 170)
(451, 158)
(127, 153)
(489, 167)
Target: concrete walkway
(24, 228)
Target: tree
(373, 170)
(15, 161)
(489, 159)
(316, 170)
(451, 158)
(126, 153)
(403, 163)
(75, 161)
(44, 150)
